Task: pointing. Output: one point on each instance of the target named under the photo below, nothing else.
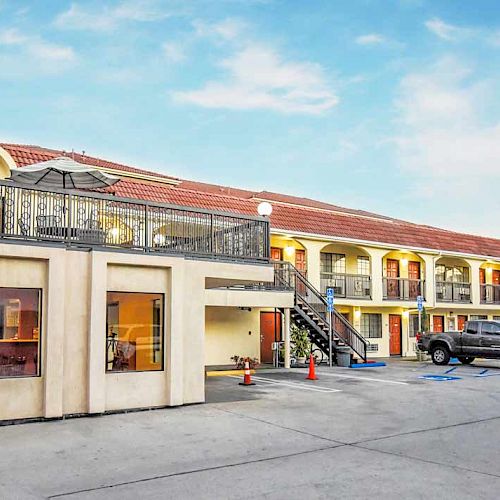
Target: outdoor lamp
(265, 209)
(404, 261)
(114, 232)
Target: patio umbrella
(63, 172)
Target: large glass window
(363, 265)
(413, 324)
(20, 332)
(134, 332)
(455, 274)
(332, 263)
(371, 326)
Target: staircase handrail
(357, 343)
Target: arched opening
(346, 269)
(6, 164)
(403, 276)
(489, 279)
(289, 250)
(453, 280)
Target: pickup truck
(479, 339)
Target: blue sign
(420, 303)
(329, 299)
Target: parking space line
(293, 385)
(369, 379)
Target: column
(286, 330)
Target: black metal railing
(347, 286)
(290, 277)
(490, 294)
(450, 291)
(402, 288)
(81, 218)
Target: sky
(391, 106)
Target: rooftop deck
(76, 218)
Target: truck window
(472, 327)
(490, 329)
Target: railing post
(146, 228)
(68, 219)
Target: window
(134, 332)
(332, 263)
(371, 326)
(490, 329)
(413, 324)
(20, 332)
(475, 317)
(471, 327)
(496, 318)
(363, 265)
(455, 274)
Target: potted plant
(301, 345)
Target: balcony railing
(78, 218)
(490, 294)
(348, 286)
(402, 288)
(450, 291)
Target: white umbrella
(63, 172)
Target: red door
(461, 319)
(270, 331)
(438, 324)
(395, 335)
(276, 253)
(414, 277)
(392, 281)
(300, 261)
(495, 277)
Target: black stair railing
(287, 276)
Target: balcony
(451, 291)
(75, 218)
(347, 286)
(402, 289)
(490, 294)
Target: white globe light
(265, 209)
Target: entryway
(270, 331)
(395, 335)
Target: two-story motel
(152, 281)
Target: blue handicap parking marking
(440, 378)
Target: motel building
(122, 298)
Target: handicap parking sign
(420, 302)
(329, 298)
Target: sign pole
(329, 302)
(420, 306)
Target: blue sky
(387, 105)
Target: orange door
(414, 277)
(495, 276)
(395, 334)
(461, 319)
(270, 331)
(392, 281)
(300, 261)
(276, 253)
(438, 324)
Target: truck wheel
(440, 355)
(466, 360)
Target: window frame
(370, 316)
(366, 263)
(163, 336)
(39, 371)
(332, 259)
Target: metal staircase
(311, 312)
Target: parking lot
(373, 432)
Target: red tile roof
(290, 213)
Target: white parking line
(368, 379)
(293, 385)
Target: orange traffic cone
(247, 379)
(312, 369)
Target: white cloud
(370, 39)
(174, 52)
(259, 78)
(36, 46)
(107, 17)
(449, 146)
(228, 29)
(444, 30)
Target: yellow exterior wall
(231, 331)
